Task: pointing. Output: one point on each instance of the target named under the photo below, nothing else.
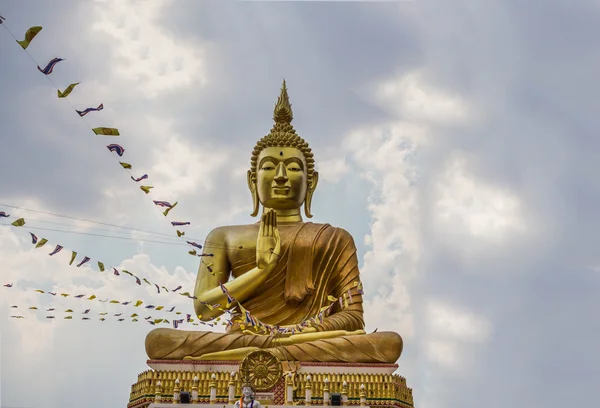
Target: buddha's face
(281, 177)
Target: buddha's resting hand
(268, 242)
(308, 337)
(287, 334)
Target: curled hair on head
(283, 134)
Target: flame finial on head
(283, 109)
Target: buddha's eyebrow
(286, 161)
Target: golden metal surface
(385, 390)
(261, 369)
(283, 270)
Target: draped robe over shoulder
(317, 260)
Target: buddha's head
(282, 172)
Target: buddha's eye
(294, 168)
(268, 167)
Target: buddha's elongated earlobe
(312, 186)
(254, 192)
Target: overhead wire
(137, 230)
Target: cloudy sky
(456, 141)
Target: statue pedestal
(218, 384)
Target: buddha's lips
(281, 190)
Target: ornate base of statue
(276, 383)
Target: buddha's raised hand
(268, 242)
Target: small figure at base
(247, 400)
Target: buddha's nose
(280, 173)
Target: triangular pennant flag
(18, 223)
(41, 243)
(104, 131)
(166, 212)
(29, 36)
(73, 256)
(67, 91)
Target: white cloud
(38, 344)
(181, 169)
(451, 334)
(145, 53)
(334, 168)
(409, 96)
(449, 322)
(385, 157)
(467, 204)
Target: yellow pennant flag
(39, 291)
(101, 266)
(159, 308)
(157, 321)
(125, 165)
(92, 297)
(134, 315)
(166, 212)
(193, 252)
(146, 280)
(146, 189)
(104, 131)
(33, 308)
(67, 91)
(138, 303)
(102, 319)
(68, 311)
(134, 320)
(65, 295)
(68, 317)
(18, 223)
(41, 243)
(180, 233)
(178, 313)
(29, 36)
(114, 301)
(73, 256)
(102, 314)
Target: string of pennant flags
(170, 240)
(103, 315)
(101, 266)
(242, 317)
(117, 149)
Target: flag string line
(125, 166)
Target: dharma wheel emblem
(261, 369)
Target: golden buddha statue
(284, 271)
